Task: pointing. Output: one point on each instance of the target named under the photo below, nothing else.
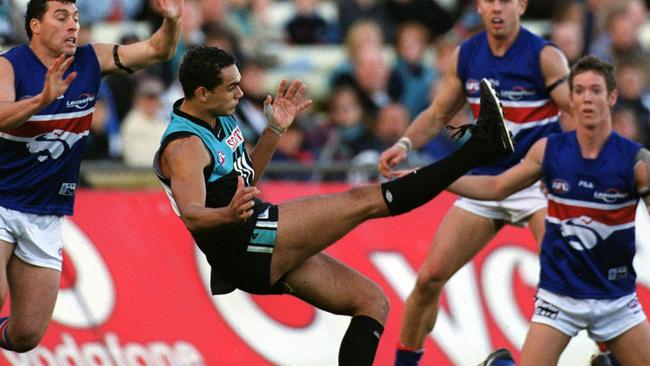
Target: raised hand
(287, 104)
(55, 85)
(170, 9)
(241, 205)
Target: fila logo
(586, 184)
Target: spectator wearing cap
(144, 124)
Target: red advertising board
(134, 292)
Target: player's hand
(170, 9)
(55, 85)
(389, 158)
(287, 104)
(241, 205)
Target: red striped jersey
(516, 76)
(589, 243)
(39, 160)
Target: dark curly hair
(597, 65)
(202, 66)
(36, 9)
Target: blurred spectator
(567, 35)
(10, 23)
(144, 124)
(344, 133)
(625, 123)
(377, 83)
(362, 34)
(219, 36)
(438, 16)
(411, 42)
(634, 94)
(109, 10)
(351, 11)
(291, 148)
(249, 20)
(622, 22)
(104, 141)
(307, 26)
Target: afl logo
(560, 186)
(221, 157)
(472, 86)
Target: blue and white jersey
(225, 143)
(529, 111)
(589, 243)
(39, 160)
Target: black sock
(408, 192)
(360, 342)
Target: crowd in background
(394, 53)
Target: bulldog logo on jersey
(584, 233)
(53, 144)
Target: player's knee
(373, 302)
(430, 282)
(24, 341)
(367, 199)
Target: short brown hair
(597, 65)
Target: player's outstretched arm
(280, 113)
(159, 47)
(498, 187)
(14, 113)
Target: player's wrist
(405, 143)
(275, 128)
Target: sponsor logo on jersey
(585, 184)
(82, 102)
(517, 93)
(560, 186)
(235, 139)
(68, 189)
(609, 196)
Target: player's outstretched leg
(490, 140)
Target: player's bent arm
(555, 69)
(642, 176)
(161, 46)
(183, 161)
(498, 187)
(263, 152)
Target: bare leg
(308, 225)
(543, 345)
(332, 286)
(632, 348)
(337, 288)
(460, 236)
(33, 295)
(537, 224)
(6, 251)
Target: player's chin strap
(268, 114)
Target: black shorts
(240, 256)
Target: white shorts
(515, 209)
(604, 320)
(37, 237)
